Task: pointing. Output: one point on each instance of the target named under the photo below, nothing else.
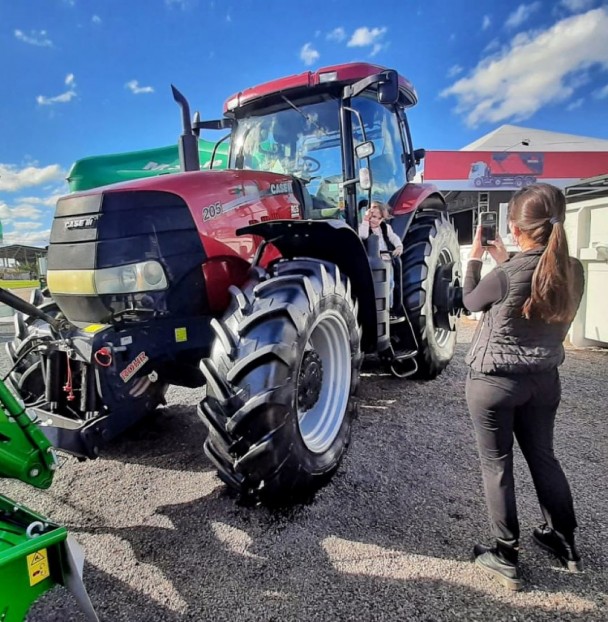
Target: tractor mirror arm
(217, 124)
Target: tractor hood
(141, 247)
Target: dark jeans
(525, 406)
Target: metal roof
(590, 188)
(517, 138)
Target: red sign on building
(509, 170)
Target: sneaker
(495, 563)
(556, 544)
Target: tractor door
(387, 164)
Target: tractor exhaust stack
(188, 142)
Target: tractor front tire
(281, 380)
(27, 373)
(430, 244)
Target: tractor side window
(382, 127)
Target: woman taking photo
(513, 387)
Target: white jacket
(365, 229)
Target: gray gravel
(388, 539)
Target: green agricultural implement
(102, 170)
(35, 553)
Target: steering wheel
(310, 165)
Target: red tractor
(251, 281)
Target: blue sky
(87, 77)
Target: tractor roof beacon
(250, 280)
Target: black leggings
(525, 406)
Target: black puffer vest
(507, 343)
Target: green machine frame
(35, 553)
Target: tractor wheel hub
(310, 380)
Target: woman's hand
(477, 250)
(367, 215)
(397, 252)
(497, 250)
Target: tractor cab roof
(326, 79)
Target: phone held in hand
(488, 222)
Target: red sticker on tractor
(136, 364)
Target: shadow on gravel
(262, 566)
(169, 438)
(388, 539)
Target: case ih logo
(81, 223)
(282, 188)
(136, 364)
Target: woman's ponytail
(539, 211)
(551, 299)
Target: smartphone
(488, 222)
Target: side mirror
(388, 89)
(365, 178)
(419, 155)
(365, 150)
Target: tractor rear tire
(430, 243)
(281, 380)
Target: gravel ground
(389, 538)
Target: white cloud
(23, 210)
(35, 37)
(308, 54)
(576, 6)
(26, 225)
(96, 19)
(521, 14)
(133, 86)
(575, 104)
(454, 70)
(30, 238)
(337, 34)
(48, 201)
(486, 22)
(13, 179)
(601, 93)
(62, 98)
(5, 212)
(534, 70)
(365, 36)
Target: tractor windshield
(304, 142)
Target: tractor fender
(412, 199)
(334, 241)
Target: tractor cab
(341, 130)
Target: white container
(587, 231)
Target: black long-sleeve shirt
(480, 294)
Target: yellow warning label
(38, 566)
(93, 328)
(181, 334)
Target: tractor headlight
(134, 278)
